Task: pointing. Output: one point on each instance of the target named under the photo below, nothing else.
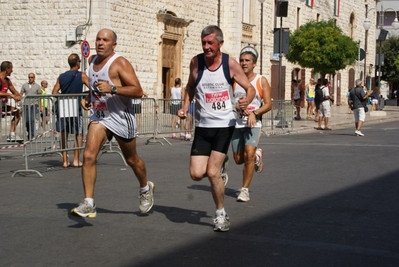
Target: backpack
(318, 98)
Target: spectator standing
(318, 98)
(113, 86)
(296, 98)
(7, 90)
(70, 122)
(31, 105)
(357, 102)
(210, 81)
(176, 93)
(310, 94)
(325, 106)
(248, 127)
(374, 101)
(137, 110)
(43, 105)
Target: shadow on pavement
(228, 191)
(353, 227)
(179, 215)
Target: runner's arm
(190, 88)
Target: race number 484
(218, 100)
(219, 105)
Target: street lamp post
(367, 25)
(279, 13)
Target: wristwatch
(255, 112)
(113, 90)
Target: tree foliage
(322, 46)
(390, 49)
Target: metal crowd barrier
(169, 123)
(155, 119)
(10, 112)
(36, 140)
(279, 117)
(145, 110)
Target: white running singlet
(215, 105)
(254, 105)
(115, 112)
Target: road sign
(362, 54)
(85, 48)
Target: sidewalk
(340, 117)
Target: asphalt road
(323, 199)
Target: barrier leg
(111, 151)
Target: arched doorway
(351, 78)
(173, 29)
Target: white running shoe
(244, 195)
(147, 199)
(222, 223)
(259, 160)
(359, 133)
(85, 210)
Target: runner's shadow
(179, 215)
(227, 191)
(79, 221)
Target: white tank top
(175, 93)
(115, 112)
(254, 105)
(214, 106)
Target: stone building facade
(160, 37)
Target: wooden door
(168, 65)
(274, 82)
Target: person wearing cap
(210, 81)
(357, 102)
(249, 123)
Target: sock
(90, 201)
(12, 133)
(220, 212)
(144, 189)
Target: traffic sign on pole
(85, 48)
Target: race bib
(218, 101)
(100, 109)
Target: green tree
(390, 49)
(322, 46)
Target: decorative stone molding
(247, 31)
